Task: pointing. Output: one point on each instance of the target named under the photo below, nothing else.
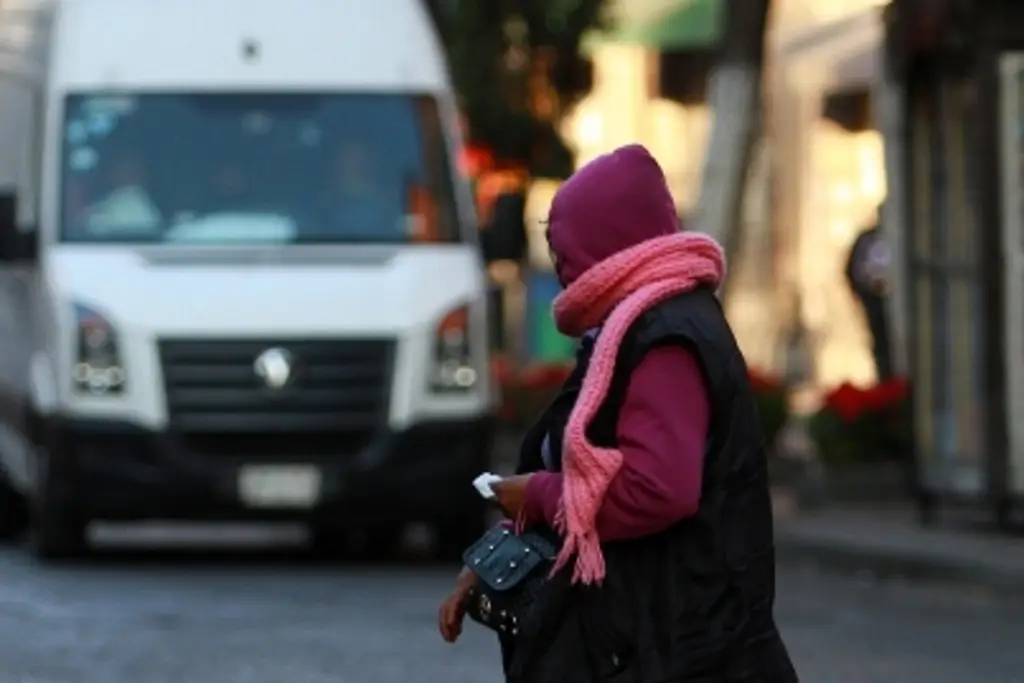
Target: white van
(240, 275)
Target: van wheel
(343, 543)
(58, 529)
(57, 532)
(1004, 513)
(330, 542)
(13, 513)
(457, 532)
(380, 541)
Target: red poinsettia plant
(772, 403)
(525, 392)
(864, 423)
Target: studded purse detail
(511, 570)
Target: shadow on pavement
(163, 546)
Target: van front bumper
(120, 471)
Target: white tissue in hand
(483, 484)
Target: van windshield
(255, 169)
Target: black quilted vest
(694, 603)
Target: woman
(650, 463)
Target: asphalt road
(274, 616)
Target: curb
(891, 562)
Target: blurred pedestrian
(867, 272)
(650, 466)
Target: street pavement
(272, 614)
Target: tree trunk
(735, 98)
(889, 112)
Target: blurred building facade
(830, 170)
(955, 125)
(814, 183)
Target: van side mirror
(16, 245)
(507, 231)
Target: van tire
(459, 531)
(339, 543)
(328, 541)
(58, 529)
(380, 541)
(14, 520)
(57, 532)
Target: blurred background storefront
(817, 179)
(830, 171)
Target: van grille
(336, 387)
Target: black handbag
(511, 570)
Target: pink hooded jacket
(612, 203)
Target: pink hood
(616, 201)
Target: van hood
(302, 290)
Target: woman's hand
(510, 494)
(452, 612)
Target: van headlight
(453, 370)
(98, 368)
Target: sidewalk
(892, 542)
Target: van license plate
(279, 486)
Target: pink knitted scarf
(617, 291)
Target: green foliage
(839, 441)
(864, 425)
(772, 400)
(773, 411)
(501, 52)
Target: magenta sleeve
(543, 495)
(662, 432)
